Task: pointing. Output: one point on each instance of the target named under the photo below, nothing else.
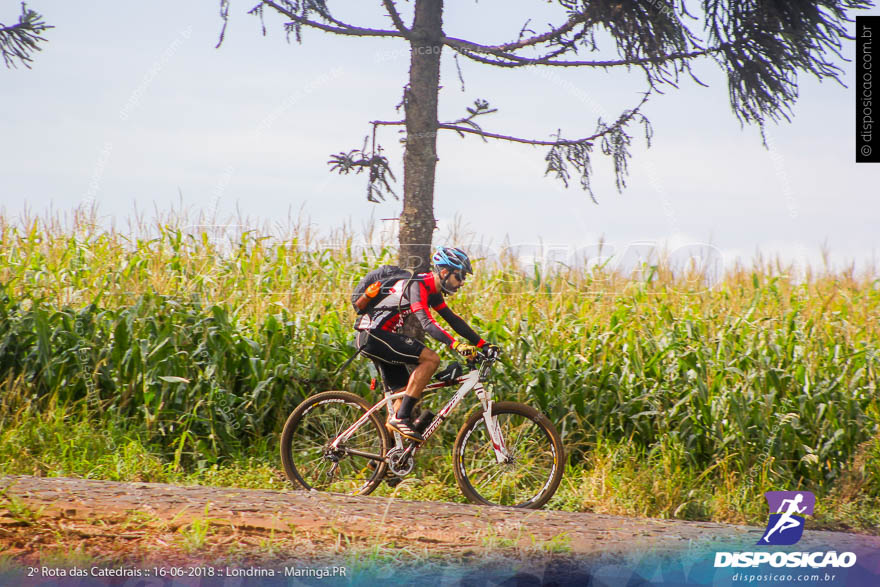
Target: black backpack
(387, 275)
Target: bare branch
(491, 135)
(504, 59)
(458, 70)
(338, 28)
(480, 108)
(623, 120)
(550, 35)
(224, 16)
(395, 17)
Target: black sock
(404, 410)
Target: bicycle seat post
(388, 392)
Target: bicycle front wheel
(312, 463)
(531, 474)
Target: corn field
(206, 345)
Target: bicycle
(506, 453)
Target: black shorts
(392, 353)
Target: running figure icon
(786, 521)
(787, 510)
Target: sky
(130, 107)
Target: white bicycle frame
(471, 381)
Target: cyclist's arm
(458, 325)
(418, 296)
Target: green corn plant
(207, 344)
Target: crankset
(400, 462)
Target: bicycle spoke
(530, 468)
(324, 468)
(493, 474)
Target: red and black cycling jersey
(417, 296)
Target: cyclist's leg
(429, 361)
(398, 351)
(393, 353)
(395, 378)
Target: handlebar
(485, 359)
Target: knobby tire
(538, 458)
(310, 429)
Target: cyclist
(379, 339)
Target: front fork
(501, 454)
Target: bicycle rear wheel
(534, 470)
(310, 462)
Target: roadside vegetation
(174, 352)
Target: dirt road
(149, 515)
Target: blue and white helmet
(453, 259)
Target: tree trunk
(420, 159)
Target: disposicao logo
(785, 527)
(787, 511)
